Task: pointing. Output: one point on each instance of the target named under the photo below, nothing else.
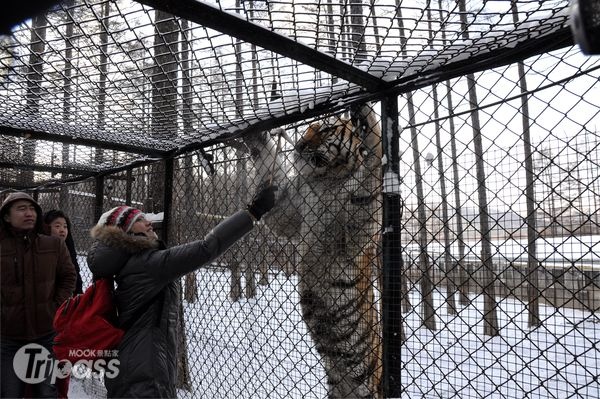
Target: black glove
(263, 200)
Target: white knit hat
(120, 216)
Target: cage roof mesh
(93, 86)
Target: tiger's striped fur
(332, 206)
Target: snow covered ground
(260, 348)
(582, 251)
(560, 359)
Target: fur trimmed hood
(115, 237)
(112, 248)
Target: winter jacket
(36, 277)
(146, 278)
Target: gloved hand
(263, 200)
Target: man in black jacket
(127, 249)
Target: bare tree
(357, 30)
(427, 308)
(187, 104)
(67, 89)
(240, 177)
(489, 312)
(532, 235)
(375, 29)
(255, 65)
(448, 276)
(164, 95)
(332, 48)
(103, 66)
(191, 289)
(456, 264)
(35, 71)
(164, 122)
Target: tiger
(332, 206)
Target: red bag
(85, 325)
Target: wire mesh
(127, 82)
(498, 165)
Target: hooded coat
(36, 276)
(147, 295)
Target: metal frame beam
(59, 138)
(51, 169)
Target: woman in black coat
(147, 296)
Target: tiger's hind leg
(344, 324)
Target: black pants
(12, 385)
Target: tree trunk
(427, 309)
(532, 263)
(255, 65)
(235, 292)
(448, 268)
(332, 48)
(458, 264)
(67, 81)
(66, 104)
(489, 279)
(191, 288)
(250, 288)
(164, 123)
(357, 31)
(375, 29)
(164, 96)
(448, 276)
(35, 71)
(103, 66)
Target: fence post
(99, 199)
(393, 335)
(167, 199)
(128, 184)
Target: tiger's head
(331, 147)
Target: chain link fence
(442, 242)
(499, 298)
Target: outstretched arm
(175, 262)
(267, 157)
(170, 264)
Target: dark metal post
(128, 184)
(99, 203)
(168, 199)
(393, 335)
